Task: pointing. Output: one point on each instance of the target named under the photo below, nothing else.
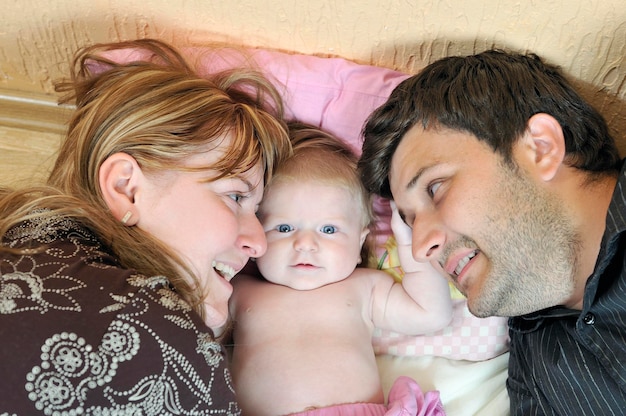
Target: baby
(302, 335)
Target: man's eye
(433, 187)
(329, 229)
(284, 228)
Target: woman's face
(211, 224)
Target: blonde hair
(320, 156)
(159, 111)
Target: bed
(467, 361)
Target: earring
(126, 217)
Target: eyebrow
(248, 184)
(413, 183)
(420, 172)
(410, 185)
(245, 181)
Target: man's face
(501, 237)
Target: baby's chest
(332, 314)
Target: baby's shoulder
(243, 282)
(369, 282)
(374, 276)
(253, 290)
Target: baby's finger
(401, 231)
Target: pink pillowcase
(338, 95)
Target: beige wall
(586, 37)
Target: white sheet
(467, 388)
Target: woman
(115, 273)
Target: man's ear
(544, 145)
(118, 176)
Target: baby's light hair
(322, 157)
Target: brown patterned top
(81, 335)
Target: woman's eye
(236, 197)
(284, 228)
(329, 229)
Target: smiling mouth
(224, 270)
(463, 262)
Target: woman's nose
(252, 238)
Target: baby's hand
(424, 288)
(404, 239)
(401, 231)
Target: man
(513, 187)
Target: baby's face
(314, 234)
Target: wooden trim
(31, 111)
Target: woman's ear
(544, 145)
(119, 175)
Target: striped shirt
(568, 362)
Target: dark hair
(491, 95)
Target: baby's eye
(284, 228)
(329, 229)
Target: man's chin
(484, 308)
(480, 313)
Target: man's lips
(458, 263)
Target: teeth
(464, 262)
(224, 269)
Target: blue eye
(236, 197)
(284, 228)
(329, 229)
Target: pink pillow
(338, 95)
(333, 93)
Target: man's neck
(590, 208)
